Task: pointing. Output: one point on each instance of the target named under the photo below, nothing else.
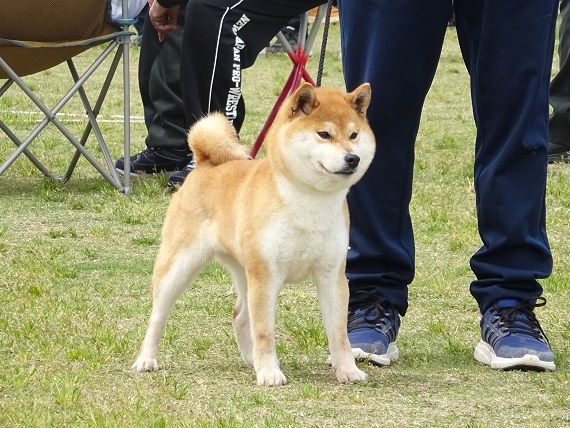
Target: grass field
(76, 261)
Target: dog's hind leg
(172, 276)
(241, 322)
(332, 289)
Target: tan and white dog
(270, 221)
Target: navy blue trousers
(507, 47)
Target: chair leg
(51, 116)
(125, 49)
(21, 145)
(26, 152)
(17, 141)
(92, 114)
(5, 86)
(321, 11)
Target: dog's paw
(271, 377)
(350, 375)
(145, 365)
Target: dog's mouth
(349, 170)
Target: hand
(163, 19)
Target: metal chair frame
(119, 43)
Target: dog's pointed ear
(304, 100)
(359, 99)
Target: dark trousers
(221, 39)
(507, 47)
(560, 85)
(160, 88)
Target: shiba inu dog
(269, 221)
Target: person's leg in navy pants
(395, 45)
(509, 63)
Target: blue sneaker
(372, 331)
(512, 337)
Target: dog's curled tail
(213, 139)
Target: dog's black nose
(352, 160)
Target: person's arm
(162, 15)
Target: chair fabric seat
(49, 21)
(29, 57)
(71, 27)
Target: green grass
(76, 261)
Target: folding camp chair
(36, 35)
(299, 57)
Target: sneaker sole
(485, 354)
(392, 354)
(140, 173)
(563, 157)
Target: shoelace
(191, 165)
(521, 319)
(377, 315)
(161, 153)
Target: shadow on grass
(17, 186)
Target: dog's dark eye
(324, 134)
(353, 135)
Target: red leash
(299, 59)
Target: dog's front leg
(262, 300)
(332, 290)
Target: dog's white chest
(297, 244)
